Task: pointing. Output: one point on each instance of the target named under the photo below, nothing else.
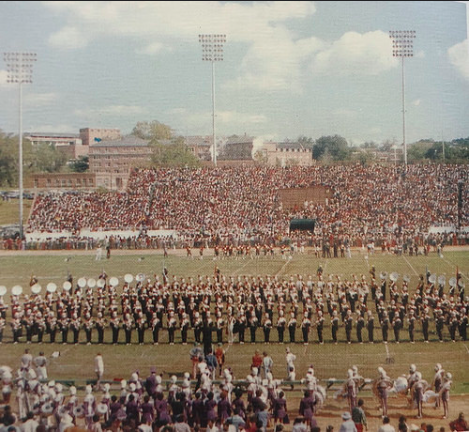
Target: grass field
(329, 360)
(10, 212)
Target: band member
(305, 328)
(128, 326)
(444, 393)
(292, 327)
(64, 325)
(335, 320)
(241, 323)
(425, 319)
(100, 326)
(382, 386)
(360, 326)
(39, 326)
(16, 327)
(348, 321)
(51, 326)
(197, 326)
(281, 324)
(220, 327)
(172, 324)
(115, 326)
(155, 325)
(267, 326)
(396, 325)
(88, 325)
(320, 327)
(385, 326)
(253, 324)
(75, 325)
(141, 325)
(370, 325)
(411, 325)
(185, 324)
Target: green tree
(80, 165)
(47, 158)
(153, 131)
(306, 142)
(174, 153)
(335, 147)
(8, 160)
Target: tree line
(169, 149)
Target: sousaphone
(432, 279)
(128, 278)
(114, 281)
(36, 288)
(441, 280)
(394, 276)
(102, 408)
(17, 290)
(3, 290)
(47, 408)
(79, 411)
(383, 275)
(51, 287)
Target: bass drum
(400, 386)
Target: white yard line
(410, 265)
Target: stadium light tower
(212, 51)
(20, 71)
(403, 46)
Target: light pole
(20, 71)
(212, 51)
(403, 46)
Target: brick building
(112, 160)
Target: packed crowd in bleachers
(235, 204)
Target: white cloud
(345, 113)
(152, 49)
(69, 38)
(459, 57)
(274, 54)
(111, 110)
(40, 99)
(356, 54)
(61, 128)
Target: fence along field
(330, 361)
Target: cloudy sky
(289, 69)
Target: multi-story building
(237, 148)
(92, 136)
(286, 153)
(111, 160)
(200, 146)
(68, 143)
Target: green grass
(10, 212)
(329, 360)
